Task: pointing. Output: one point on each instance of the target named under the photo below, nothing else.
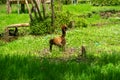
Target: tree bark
(18, 4)
(52, 16)
(30, 14)
(8, 7)
(23, 8)
(38, 9)
(44, 8)
(18, 25)
(34, 9)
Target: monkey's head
(64, 27)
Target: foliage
(3, 1)
(105, 2)
(62, 18)
(81, 22)
(66, 1)
(41, 27)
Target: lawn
(28, 57)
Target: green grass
(8, 19)
(99, 38)
(87, 8)
(104, 8)
(28, 67)
(78, 9)
(84, 9)
(28, 58)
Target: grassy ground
(28, 58)
(85, 8)
(14, 18)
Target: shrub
(66, 1)
(2, 1)
(42, 27)
(78, 22)
(62, 18)
(81, 22)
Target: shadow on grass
(26, 67)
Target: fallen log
(6, 35)
(18, 25)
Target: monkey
(59, 41)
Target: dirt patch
(71, 50)
(109, 13)
(104, 14)
(8, 38)
(5, 36)
(104, 24)
(70, 54)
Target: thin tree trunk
(44, 8)
(8, 7)
(39, 12)
(18, 3)
(23, 8)
(52, 16)
(30, 14)
(34, 9)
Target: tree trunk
(38, 9)
(34, 9)
(44, 8)
(8, 7)
(18, 4)
(23, 8)
(52, 16)
(30, 14)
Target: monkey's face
(64, 28)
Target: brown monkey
(59, 41)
